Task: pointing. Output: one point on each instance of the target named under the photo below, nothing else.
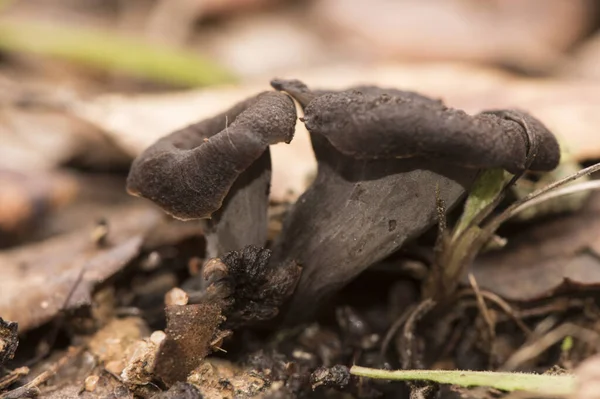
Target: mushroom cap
(366, 124)
(190, 172)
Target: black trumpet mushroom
(384, 156)
(219, 170)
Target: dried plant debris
(216, 378)
(12, 377)
(140, 365)
(94, 386)
(60, 273)
(337, 376)
(8, 340)
(180, 390)
(115, 343)
(192, 333)
(550, 255)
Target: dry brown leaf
(545, 257)
(584, 63)
(27, 197)
(527, 34)
(40, 139)
(191, 332)
(568, 108)
(588, 379)
(37, 278)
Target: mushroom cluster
(382, 156)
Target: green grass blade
(538, 383)
(108, 51)
(485, 189)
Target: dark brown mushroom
(368, 124)
(220, 169)
(382, 156)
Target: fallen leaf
(584, 63)
(588, 379)
(37, 278)
(545, 257)
(26, 198)
(34, 140)
(530, 35)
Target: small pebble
(176, 296)
(157, 337)
(91, 382)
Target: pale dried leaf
(37, 278)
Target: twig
(512, 209)
(408, 333)
(534, 349)
(503, 305)
(393, 330)
(12, 377)
(485, 313)
(559, 192)
(44, 376)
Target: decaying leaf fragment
(192, 330)
(545, 257)
(38, 278)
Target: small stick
(408, 333)
(534, 349)
(44, 376)
(485, 312)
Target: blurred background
(86, 85)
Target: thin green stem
(538, 383)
